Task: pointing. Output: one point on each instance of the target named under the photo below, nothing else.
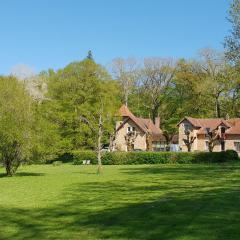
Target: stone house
(226, 132)
(134, 133)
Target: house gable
(230, 136)
(129, 122)
(145, 130)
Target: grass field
(125, 202)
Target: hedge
(122, 158)
(79, 156)
(64, 158)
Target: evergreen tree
(90, 56)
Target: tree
(130, 138)
(83, 98)
(213, 138)
(125, 71)
(155, 78)
(232, 46)
(22, 72)
(98, 130)
(233, 97)
(149, 142)
(232, 42)
(101, 124)
(189, 140)
(16, 117)
(214, 67)
(74, 91)
(183, 97)
(90, 56)
(47, 143)
(99, 143)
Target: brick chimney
(157, 122)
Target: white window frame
(237, 142)
(131, 129)
(206, 146)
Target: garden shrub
(232, 154)
(64, 158)
(131, 158)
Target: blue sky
(52, 33)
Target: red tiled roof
(124, 111)
(233, 125)
(145, 124)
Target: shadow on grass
(111, 210)
(203, 171)
(85, 173)
(23, 174)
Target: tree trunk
(99, 170)
(8, 168)
(210, 147)
(234, 100)
(168, 138)
(155, 112)
(126, 99)
(149, 142)
(111, 141)
(217, 108)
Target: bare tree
(189, 140)
(130, 139)
(98, 130)
(99, 146)
(125, 71)
(112, 138)
(214, 65)
(35, 84)
(213, 138)
(155, 78)
(22, 71)
(149, 142)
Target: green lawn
(125, 202)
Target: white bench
(86, 162)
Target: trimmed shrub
(131, 158)
(64, 158)
(232, 154)
(210, 157)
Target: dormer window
(223, 130)
(130, 129)
(186, 126)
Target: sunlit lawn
(125, 202)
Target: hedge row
(122, 158)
